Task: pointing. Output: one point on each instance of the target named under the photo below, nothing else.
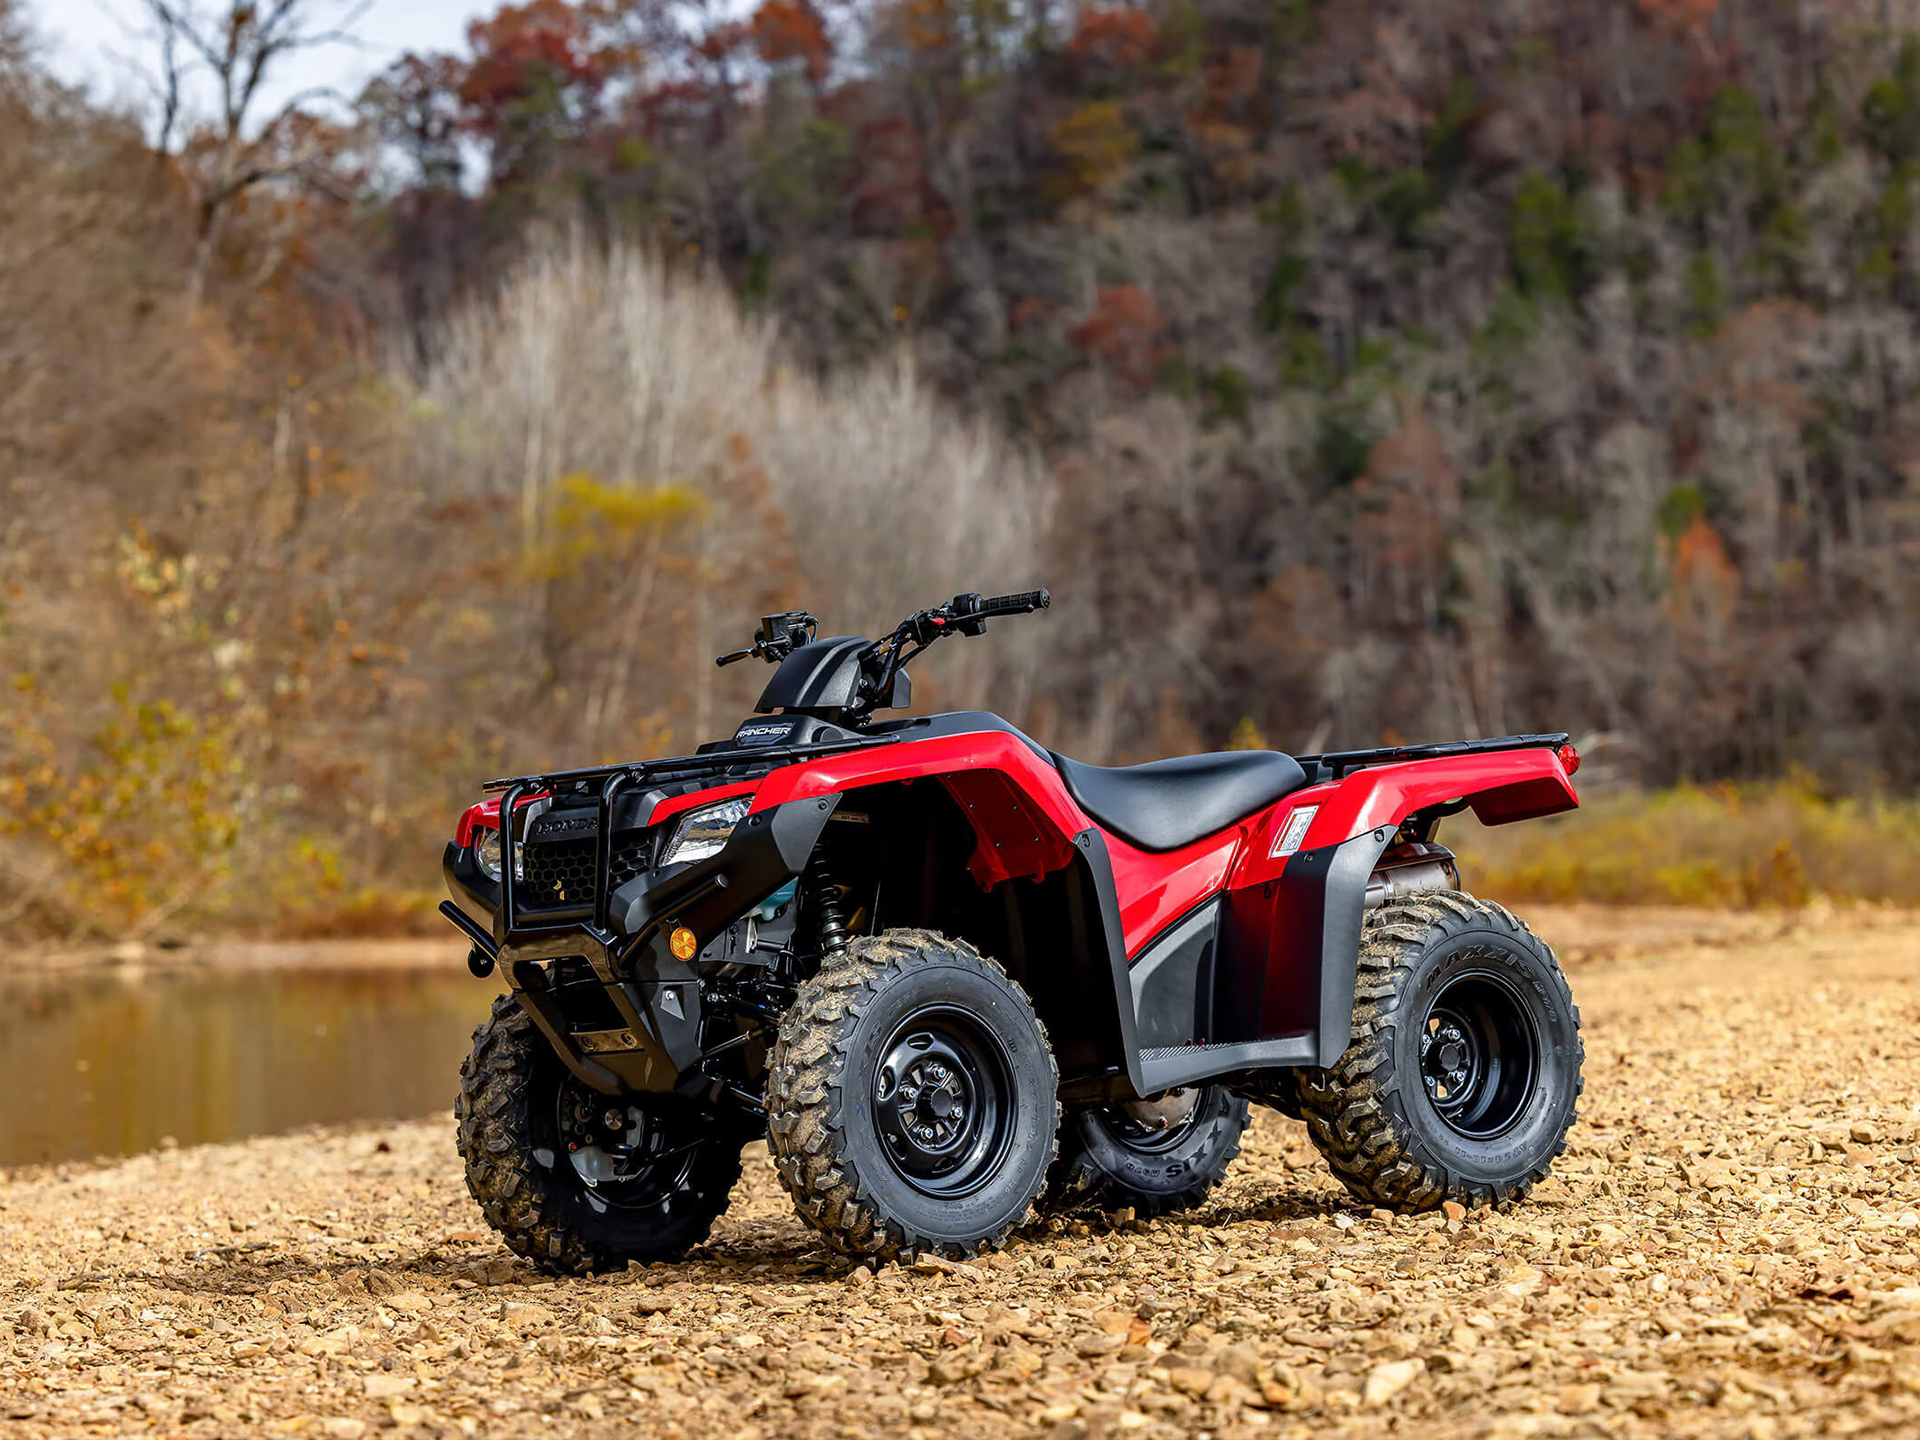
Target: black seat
(1165, 804)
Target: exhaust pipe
(1409, 868)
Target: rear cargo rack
(1336, 764)
(690, 767)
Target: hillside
(1350, 371)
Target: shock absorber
(824, 898)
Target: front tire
(1463, 1075)
(1155, 1157)
(533, 1137)
(911, 1099)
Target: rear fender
(1304, 909)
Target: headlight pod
(705, 831)
(486, 852)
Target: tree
(231, 151)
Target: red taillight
(1569, 758)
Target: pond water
(115, 1061)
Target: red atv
(949, 974)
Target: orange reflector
(682, 943)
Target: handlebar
(1025, 603)
(780, 635)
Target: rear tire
(1108, 1158)
(1463, 1075)
(664, 1173)
(912, 1099)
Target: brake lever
(738, 655)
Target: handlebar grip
(1025, 603)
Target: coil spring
(830, 912)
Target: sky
(93, 42)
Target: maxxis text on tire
(1422, 1108)
(511, 1088)
(912, 1099)
(1109, 1162)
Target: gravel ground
(1731, 1249)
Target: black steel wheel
(574, 1181)
(1153, 1156)
(942, 1098)
(911, 1099)
(1479, 1054)
(1463, 1074)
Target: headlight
(486, 852)
(705, 831)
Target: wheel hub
(931, 1100)
(1170, 1111)
(623, 1154)
(1478, 1055)
(941, 1103)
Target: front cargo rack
(689, 767)
(1337, 764)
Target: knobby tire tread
(1078, 1180)
(807, 1102)
(1353, 1111)
(495, 1125)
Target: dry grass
(1746, 846)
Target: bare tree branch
(241, 48)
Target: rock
(385, 1387)
(412, 1301)
(1388, 1380)
(1900, 1325)
(1708, 1174)
(1864, 1132)
(1241, 1361)
(344, 1428)
(1190, 1380)
(1580, 1399)
(1453, 1210)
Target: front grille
(557, 875)
(630, 858)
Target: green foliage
(1888, 225)
(1183, 38)
(1706, 294)
(1273, 312)
(1304, 361)
(1406, 199)
(800, 171)
(1556, 254)
(1346, 436)
(1890, 113)
(1679, 508)
(1822, 139)
(1229, 396)
(1733, 167)
(1446, 141)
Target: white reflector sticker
(1294, 831)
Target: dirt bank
(1729, 1251)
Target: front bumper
(619, 927)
